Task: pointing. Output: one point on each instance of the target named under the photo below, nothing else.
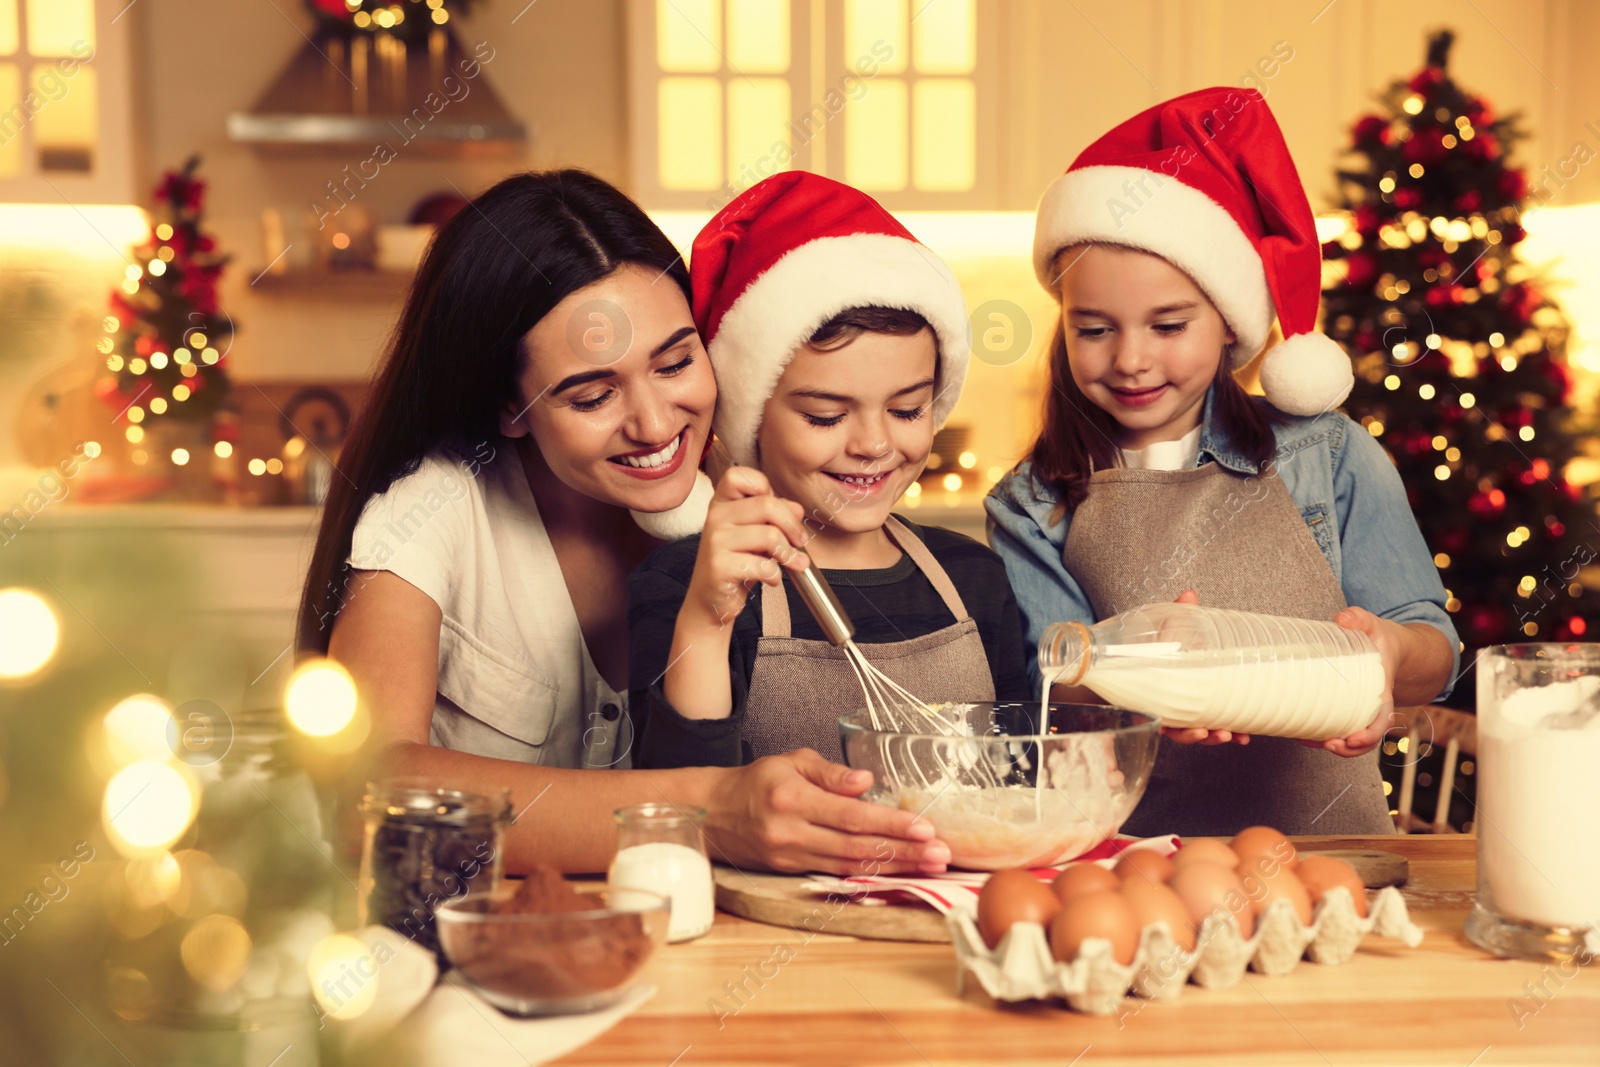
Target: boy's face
(1143, 340)
(848, 430)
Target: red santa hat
(787, 255)
(1206, 182)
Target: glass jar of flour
(1538, 802)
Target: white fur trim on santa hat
(685, 520)
(1307, 374)
(1147, 210)
(783, 307)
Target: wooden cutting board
(778, 900)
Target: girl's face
(618, 392)
(1143, 342)
(849, 429)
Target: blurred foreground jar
(209, 965)
(426, 843)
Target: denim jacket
(1346, 488)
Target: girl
(1172, 243)
(545, 378)
(841, 344)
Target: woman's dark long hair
(1079, 437)
(456, 358)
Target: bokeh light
(29, 633)
(344, 976)
(148, 806)
(216, 951)
(153, 879)
(321, 698)
(138, 729)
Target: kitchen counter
(840, 999)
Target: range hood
(363, 89)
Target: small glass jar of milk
(661, 849)
(1538, 802)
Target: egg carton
(1021, 967)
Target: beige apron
(1142, 536)
(799, 688)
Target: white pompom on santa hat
(783, 258)
(1205, 181)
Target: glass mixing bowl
(974, 772)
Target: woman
(470, 572)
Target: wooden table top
(833, 999)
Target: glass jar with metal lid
(427, 842)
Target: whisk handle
(825, 607)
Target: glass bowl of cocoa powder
(540, 947)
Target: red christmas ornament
(1512, 184)
(1408, 198)
(1487, 624)
(1366, 220)
(1367, 129)
(1367, 340)
(1426, 79)
(1361, 269)
(109, 393)
(1469, 201)
(1487, 504)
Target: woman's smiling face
(1143, 341)
(848, 429)
(617, 392)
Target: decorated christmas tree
(166, 338)
(1460, 368)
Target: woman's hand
(797, 812)
(750, 537)
(1389, 637)
(1196, 735)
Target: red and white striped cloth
(943, 892)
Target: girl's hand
(1387, 636)
(750, 537)
(1195, 735)
(798, 812)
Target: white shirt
(1165, 455)
(515, 678)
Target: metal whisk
(891, 706)
(885, 697)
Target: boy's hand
(750, 536)
(1196, 735)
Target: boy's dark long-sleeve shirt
(894, 603)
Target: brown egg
(1154, 902)
(1010, 897)
(1262, 848)
(1277, 883)
(1205, 850)
(1205, 888)
(1146, 865)
(1099, 914)
(1321, 873)
(1083, 878)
